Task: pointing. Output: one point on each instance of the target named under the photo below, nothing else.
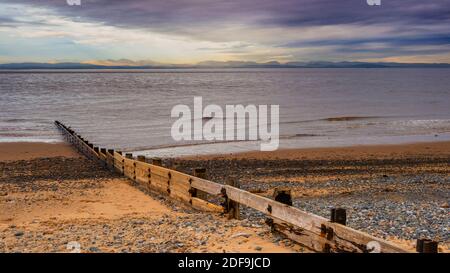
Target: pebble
(240, 234)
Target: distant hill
(228, 64)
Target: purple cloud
(209, 20)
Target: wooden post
(200, 173)
(141, 158)
(123, 168)
(157, 161)
(110, 159)
(232, 207)
(430, 247)
(282, 196)
(175, 165)
(103, 150)
(426, 246)
(339, 215)
(129, 155)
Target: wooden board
(206, 186)
(184, 196)
(313, 223)
(142, 173)
(205, 206)
(128, 169)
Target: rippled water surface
(130, 110)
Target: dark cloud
(432, 39)
(200, 18)
(178, 15)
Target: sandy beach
(51, 196)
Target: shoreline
(350, 152)
(10, 151)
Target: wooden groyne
(312, 231)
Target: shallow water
(130, 110)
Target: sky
(191, 31)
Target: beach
(396, 192)
(52, 199)
(51, 196)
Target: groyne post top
(200, 172)
(339, 215)
(426, 246)
(141, 158)
(283, 196)
(157, 161)
(129, 155)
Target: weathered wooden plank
(203, 205)
(180, 185)
(160, 182)
(101, 156)
(142, 172)
(110, 161)
(141, 177)
(304, 237)
(119, 162)
(128, 169)
(118, 156)
(180, 177)
(358, 238)
(206, 186)
(313, 223)
(179, 188)
(184, 196)
(314, 242)
(158, 170)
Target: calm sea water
(130, 110)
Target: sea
(130, 110)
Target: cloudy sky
(190, 31)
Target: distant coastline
(230, 64)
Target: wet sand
(363, 152)
(28, 150)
